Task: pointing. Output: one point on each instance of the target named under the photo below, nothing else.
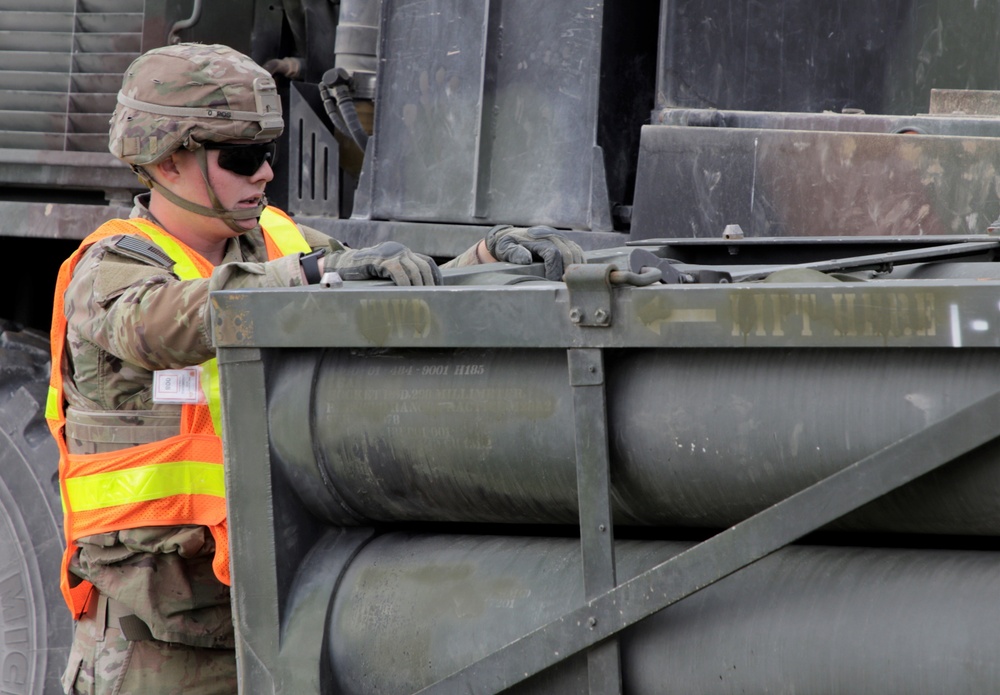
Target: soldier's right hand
(386, 261)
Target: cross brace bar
(727, 552)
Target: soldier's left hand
(522, 246)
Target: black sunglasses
(244, 159)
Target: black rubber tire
(34, 621)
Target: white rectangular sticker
(178, 386)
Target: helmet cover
(180, 95)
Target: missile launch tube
(409, 610)
(701, 438)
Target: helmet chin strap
(229, 217)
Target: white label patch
(178, 386)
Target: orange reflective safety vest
(173, 482)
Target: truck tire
(35, 623)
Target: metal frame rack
(600, 307)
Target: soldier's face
(237, 191)
(234, 191)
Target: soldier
(134, 396)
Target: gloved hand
(521, 246)
(388, 260)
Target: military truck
(748, 447)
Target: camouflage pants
(103, 662)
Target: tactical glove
(521, 246)
(388, 261)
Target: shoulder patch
(136, 246)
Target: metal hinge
(590, 285)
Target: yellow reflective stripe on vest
(210, 387)
(145, 483)
(52, 404)
(283, 232)
(184, 268)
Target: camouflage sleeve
(137, 310)
(317, 239)
(466, 258)
(283, 272)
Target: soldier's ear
(169, 166)
(167, 169)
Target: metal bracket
(589, 288)
(593, 481)
(313, 186)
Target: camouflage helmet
(180, 95)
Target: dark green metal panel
(786, 55)
(778, 179)
(910, 314)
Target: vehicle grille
(61, 63)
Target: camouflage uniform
(128, 316)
